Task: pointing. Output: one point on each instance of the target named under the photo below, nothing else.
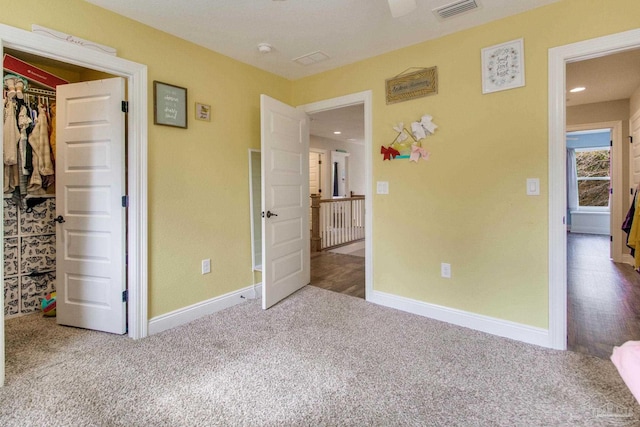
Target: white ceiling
(349, 31)
(345, 30)
(347, 120)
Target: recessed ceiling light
(577, 89)
(337, 132)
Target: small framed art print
(503, 66)
(203, 112)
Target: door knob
(59, 219)
(270, 214)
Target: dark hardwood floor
(603, 297)
(338, 273)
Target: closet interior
(29, 197)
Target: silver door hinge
(125, 201)
(125, 296)
(125, 106)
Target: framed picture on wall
(203, 112)
(169, 105)
(503, 66)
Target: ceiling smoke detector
(265, 48)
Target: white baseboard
(628, 259)
(490, 325)
(584, 229)
(195, 311)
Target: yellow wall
(467, 205)
(198, 178)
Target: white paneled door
(90, 185)
(285, 200)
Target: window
(593, 170)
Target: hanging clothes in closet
(10, 139)
(27, 150)
(29, 234)
(631, 226)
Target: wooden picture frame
(503, 66)
(169, 105)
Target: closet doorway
(64, 229)
(98, 65)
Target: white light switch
(382, 187)
(533, 186)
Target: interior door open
(90, 185)
(285, 200)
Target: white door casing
(315, 173)
(285, 200)
(342, 175)
(558, 58)
(618, 237)
(90, 184)
(634, 157)
(136, 75)
(634, 168)
(366, 99)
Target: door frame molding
(136, 75)
(618, 195)
(558, 58)
(364, 98)
(323, 171)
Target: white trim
(490, 325)
(136, 74)
(254, 266)
(558, 58)
(365, 98)
(324, 172)
(204, 308)
(619, 193)
(628, 259)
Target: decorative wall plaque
(406, 86)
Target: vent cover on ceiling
(311, 58)
(456, 8)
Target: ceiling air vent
(456, 8)
(311, 58)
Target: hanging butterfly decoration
(400, 147)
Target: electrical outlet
(206, 266)
(445, 270)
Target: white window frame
(593, 178)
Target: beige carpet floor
(316, 359)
